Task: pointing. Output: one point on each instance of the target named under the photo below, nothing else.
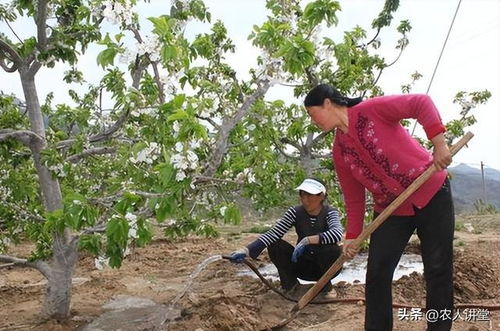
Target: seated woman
(319, 231)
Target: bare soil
(221, 300)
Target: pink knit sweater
(378, 153)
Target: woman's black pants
(435, 225)
(310, 266)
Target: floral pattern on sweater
(366, 136)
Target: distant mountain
(467, 186)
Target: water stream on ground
(189, 283)
(353, 271)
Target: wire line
(439, 58)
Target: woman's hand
(442, 155)
(349, 249)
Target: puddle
(353, 272)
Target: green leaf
(232, 214)
(321, 10)
(161, 25)
(90, 243)
(144, 232)
(128, 202)
(166, 208)
(55, 221)
(168, 53)
(28, 47)
(117, 231)
(178, 115)
(107, 57)
(166, 174)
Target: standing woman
(373, 151)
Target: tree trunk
(307, 160)
(57, 301)
(58, 293)
(51, 192)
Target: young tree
(185, 137)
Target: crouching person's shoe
(298, 290)
(327, 293)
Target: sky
(470, 62)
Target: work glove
(299, 249)
(239, 255)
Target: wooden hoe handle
(313, 291)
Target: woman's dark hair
(318, 94)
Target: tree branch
(241, 96)
(108, 199)
(285, 154)
(228, 125)
(14, 32)
(209, 120)
(319, 137)
(41, 19)
(27, 137)
(13, 55)
(89, 152)
(35, 67)
(313, 80)
(5, 67)
(321, 156)
(371, 41)
(204, 179)
(154, 64)
(22, 211)
(285, 140)
(41, 266)
(107, 133)
(397, 58)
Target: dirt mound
(475, 277)
(410, 290)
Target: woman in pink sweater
(373, 151)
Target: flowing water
(189, 283)
(353, 271)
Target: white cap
(311, 186)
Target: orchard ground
(221, 300)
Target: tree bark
(58, 292)
(57, 301)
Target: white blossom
(247, 172)
(147, 154)
(179, 161)
(194, 144)
(101, 262)
(176, 128)
(180, 175)
(132, 221)
(117, 13)
(222, 210)
(192, 157)
(58, 170)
